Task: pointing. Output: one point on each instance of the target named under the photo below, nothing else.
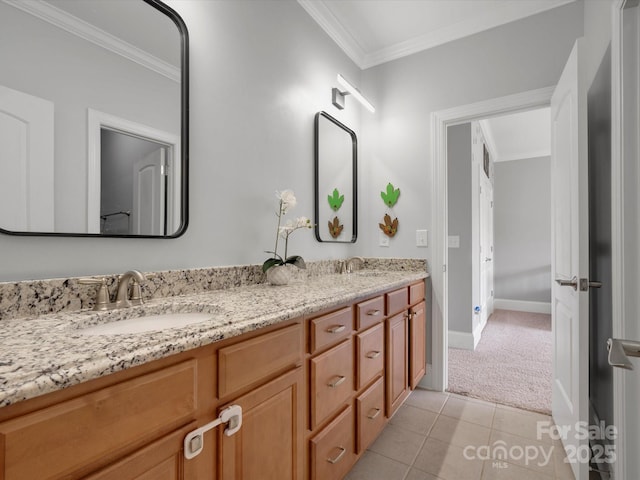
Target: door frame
(440, 120)
(623, 276)
(96, 121)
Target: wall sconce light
(338, 95)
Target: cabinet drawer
(59, 440)
(416, 293)
(370, 412)
(370, 354)
(329, 329)
(252, 361)
(331, 381)
(333, 449)
(369, 313)
(397, 300)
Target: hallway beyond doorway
(511, 364)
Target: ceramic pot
(279, 275)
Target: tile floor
(435, 435)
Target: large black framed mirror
(93, 119)
(336, 187)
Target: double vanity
(300, 378)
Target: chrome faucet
(122, 297)
(346, 266)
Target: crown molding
(332, 27)
(93, 34)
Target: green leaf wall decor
(335, 200)
(390, 197)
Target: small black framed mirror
(336, 186)
(93, 119)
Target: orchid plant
(287, 200)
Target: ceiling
(372, 32)
(519, 135)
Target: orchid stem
(275, 250)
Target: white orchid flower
(287, 200)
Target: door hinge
(444, 268)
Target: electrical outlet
(421, 238)
(384, 240)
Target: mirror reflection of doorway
(133, 184)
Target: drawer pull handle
(338, 457)
(337, 381)
(336, 329)
(373, 313)
(373, 415)
(373, 355)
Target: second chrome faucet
(123, 298)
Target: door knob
(585, 284)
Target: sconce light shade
(338, 96)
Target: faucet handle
(102, 295)
(136, 293)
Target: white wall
(522, 230)
(524, 55)
(259, 73)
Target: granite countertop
(49, 353)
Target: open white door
(148, 213)
(570, 260)
(486, 249)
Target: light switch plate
(421, 238)
(453, 241)
(384, 240)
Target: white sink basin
(149, 323)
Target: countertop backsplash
(32, 298)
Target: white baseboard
(522, 306)
(463, 340)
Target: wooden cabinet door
(269, 443)
(397, 372)
(418, 345)
(163, 460)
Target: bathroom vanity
(317, 367)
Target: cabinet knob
(373, 355)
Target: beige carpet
(511, 364)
